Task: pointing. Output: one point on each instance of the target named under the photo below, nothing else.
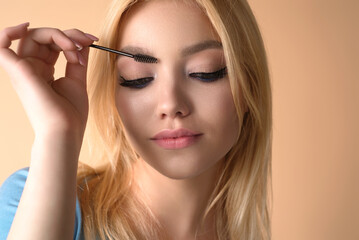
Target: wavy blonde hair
(241, 199)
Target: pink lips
(176, 139)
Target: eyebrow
(198, 47)
(137, 50)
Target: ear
(246, 109)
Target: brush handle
(136, 57)
(112, 50)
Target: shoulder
(11, 189)
(10, 194)
(13, 185)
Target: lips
(176, 139)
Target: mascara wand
(137, 57)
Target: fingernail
(26, 24)
(78, 45)
(81, 59)
(92, 37)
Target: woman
(186, 142)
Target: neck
(179, 205)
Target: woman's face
(180, 117)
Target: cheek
(217, 103)
(219, 114)
(133, 109)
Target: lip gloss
(177, 143)
(176, 139)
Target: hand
(52, 105)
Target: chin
(183, 170)
(177, 174)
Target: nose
(173, 100)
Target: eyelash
(202, 76)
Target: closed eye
(211, 76)
(202, 76)
(135, 83)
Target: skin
(58, 113)
(176, 182)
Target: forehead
(164, 24)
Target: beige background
(314, 60)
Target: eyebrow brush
(137, 57)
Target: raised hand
(59, 105)
(57, 110)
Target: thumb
(78, 71)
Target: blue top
(10, 194)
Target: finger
(75, 71)
(8, 56)
(80, 38)
(43, 43)
(12, 33)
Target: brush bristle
(144, 58)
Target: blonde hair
(241, 198)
